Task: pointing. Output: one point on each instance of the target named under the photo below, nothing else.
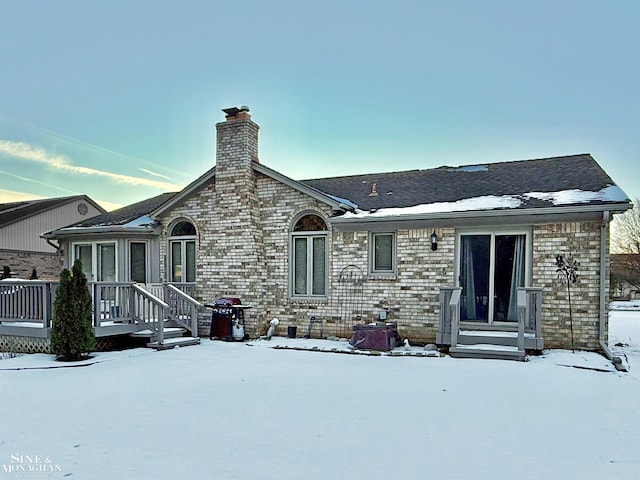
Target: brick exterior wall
(582, 240)
(48, 265)
(244, 219)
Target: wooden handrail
(176, 310)
(522, 313)
(151, 311)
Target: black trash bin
(292, 331)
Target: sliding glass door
(492, 267)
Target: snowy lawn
(233, 411)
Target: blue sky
(119, 99)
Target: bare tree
(625, 245)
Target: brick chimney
(237, 137)
(233, 239)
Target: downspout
(604, 242)
(57, 247)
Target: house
(446, 253)
(21, 224)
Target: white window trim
(94, 256)
(373, 273)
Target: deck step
(169, 332)
(174, 342)
(487, 351)
(472, 337)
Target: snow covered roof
(542, 183)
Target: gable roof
(337, 203)
(575, 180)
(12, 212)
(135, 217)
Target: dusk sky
(119, 99)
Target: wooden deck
(27, 309)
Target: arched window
(182, 252)
(182, 229)
(309, 257)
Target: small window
(138, 262)
(383, 253)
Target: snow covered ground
(238, 411)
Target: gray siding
(24, 235)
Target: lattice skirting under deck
(11, 344)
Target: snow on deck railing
(27, 301)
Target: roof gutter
(616, 207)
(604, 241)
(110, 229)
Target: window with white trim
(98, 260)
(309, 257)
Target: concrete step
(174, 342)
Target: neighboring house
(353, 249)
(21, 224)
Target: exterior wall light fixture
(434, 241)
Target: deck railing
(532, 313)
(111, 302)
(529, 303)
(149, 310)
(32, 303)
(183, 309)
(533, 310)
(454, 313)
(444, 326)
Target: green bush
(6, 272)
(72, 336)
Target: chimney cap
(234, 111)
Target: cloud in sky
(31, 180)
(154, 173)
(10, 196)
(25, 151)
